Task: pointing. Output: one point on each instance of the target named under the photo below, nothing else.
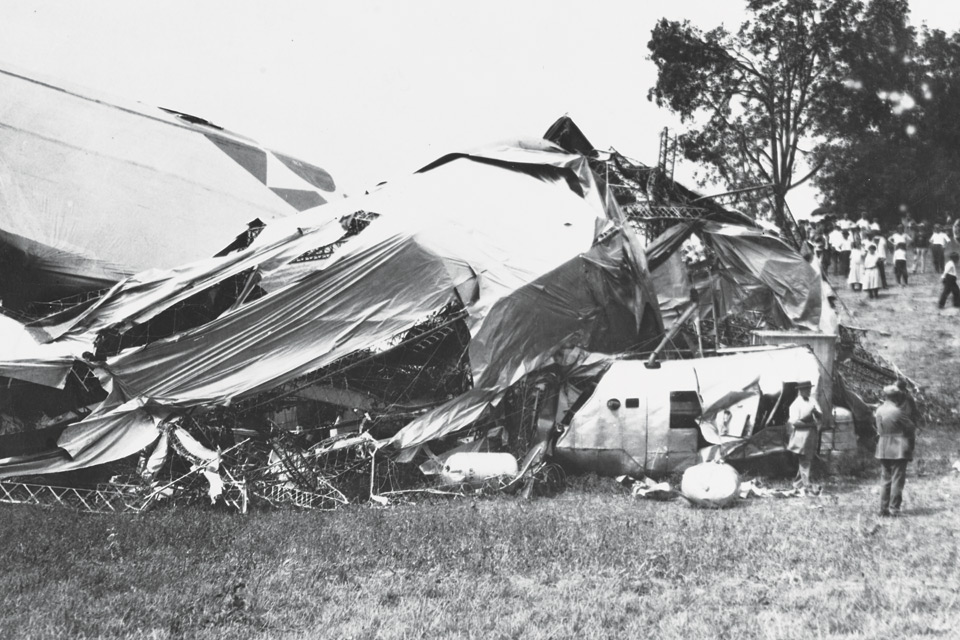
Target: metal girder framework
(113, 498)
(105, 499)
(354, 225)
(291, 495)
(641, 211)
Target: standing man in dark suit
(897, 437)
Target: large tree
(753, 99)
(900, 145)
(875, 159)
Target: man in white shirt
(949, 279)
(805, 417)
(846, 245)
(937, 242)
(836, 240)
(864, 225)
(898, 237)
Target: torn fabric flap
(23, 358)
(96, 440)
(157, 457)
(759, 263)
(207, 460)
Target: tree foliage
(753, 99)
(872, 152)
(897, 149)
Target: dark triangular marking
(250, 158)
(314, 175)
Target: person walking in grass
(835, 238)
(898, 236)
(846, 245)
(881, 243)
(900, 263)
(897, 436)
(805, 417)
(949, 279)
(921, 242)
(821, 249)
(871, 272)
(937, 242)
(855, 279)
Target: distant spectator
(844, 254)
(836, 246)
(896, 433)
(949, 279)
(900, 263)
(821, 249)
(921, 242)
(937, 242)
(855, 277)
(871, 272)
(882, 259)
(898, 237)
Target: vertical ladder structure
(668, 154)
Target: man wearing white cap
(897, 438)
(805, 417)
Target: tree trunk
(784, 220)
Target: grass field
(592, 563)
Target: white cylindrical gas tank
(475, 468)
(711, 484)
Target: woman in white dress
(871, 272)
(855, 278)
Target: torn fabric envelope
(732, 397)
(403, 267)
(139, 298)
(23, 358)
(157, 457)
(93, 190)
(359, 302)
(96, 440)
(204, 459)
(760, 263)
(453, 416)
(512, 245)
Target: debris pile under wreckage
(411, 324)
(425, 337)
(281, 467)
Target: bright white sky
(371, 90)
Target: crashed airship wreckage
(491, 320)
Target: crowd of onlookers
(860, 251)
